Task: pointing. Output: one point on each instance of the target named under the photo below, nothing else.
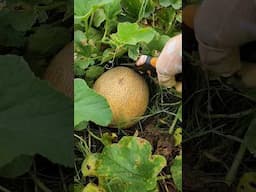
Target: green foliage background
(31, 112)
(107, 31)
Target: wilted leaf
(128, 166)
(179, 113)
(246, 183)
(93, 188)
(89, 106)
(77, 187)
(178, 136)
(89, 166)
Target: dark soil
(209, 148)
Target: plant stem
(232, 116)
(142, 10)
(95, 137)
(233, 170)
(84, 145)
(160, 178)
(63, 180)
(39, 183)
(175, 120)
(3, 189)
(106, 29)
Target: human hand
(169, 62)
(220, 30)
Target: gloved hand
(169, 62)
(221, 27)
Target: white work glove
(169, 62)
(221, 26)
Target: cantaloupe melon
(60, 71)
(127, 94)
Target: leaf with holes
(126, 166)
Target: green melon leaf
(176, 170)
(94, 72)
(99, 17)
(131, 33)
(79, 37)
(112, 9)
(247, 182)
(165, 3)
(77, 187)
(93, 188)
(133, 8)
(176, 4)
(34, 117)
(127, 166)
(158, 42)
(133, 52)
(83, 9)
(89, 106)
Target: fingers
(170, 59)
(142, 60)
(169, 63)
(166, 80)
